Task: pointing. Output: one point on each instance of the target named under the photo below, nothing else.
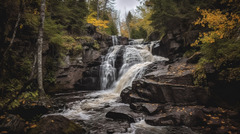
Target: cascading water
(136, 41)
(107, 68)
(115, 40)
(135, 59)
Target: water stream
(93, 108)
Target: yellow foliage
(221, 25)
(124, 30)
(21, 26)
(98, 23)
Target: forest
(57, 53)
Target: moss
(56, 124)
(200, 77)
(96, 45)
(73, 128)
(87, 39)
(77, 49)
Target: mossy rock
(57, 125)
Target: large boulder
(123, 40)
(56, 125)
(171, 84)
(32, 109)
(154, 92)
(11, 124)
(176, 41)
(200, 118)
(123, 113)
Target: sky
(126, 5)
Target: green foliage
(112, 28)
(225, 55)
(189, 53)
(200, 77)
(138, 33)
(169, 14)
(96, 45)
(70, 14)
(26, 97)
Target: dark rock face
(173, 84)
(119, 59)
(173, 44)
(199, 118)
(123, 113)
(168, 97)
(57, 125)
(122, 40)
(166, 130)
(166, 93)
(12, 124)
(81, 71)
(154, 36)
(90, 78)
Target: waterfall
(114, 40)
(107, 68)
(135, 59)
(132, 61)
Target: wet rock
(179, 130)
(12, 124)
(189, 116)
(169, 93)
(119, 59)
(128, 96)
(165, 130)
(66, 78)
(57, 124)
(110, 131)
(161, 120)
(123, 40)
(142, 131)
(136, 106)
(123, 113)
(151, 108)
(30, 110)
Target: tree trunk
(104, 8)
(39, 50)
(15, 30)
(98, 10)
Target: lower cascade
(93, 108)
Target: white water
(136, 42)
(135, 60)
(115, 40)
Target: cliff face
(81, 71)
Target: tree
(39, 51)
(128, 21)
(221, 25)
(14, 32)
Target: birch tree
(39, 50)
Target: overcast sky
(126, 5)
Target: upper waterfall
(134, 59)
